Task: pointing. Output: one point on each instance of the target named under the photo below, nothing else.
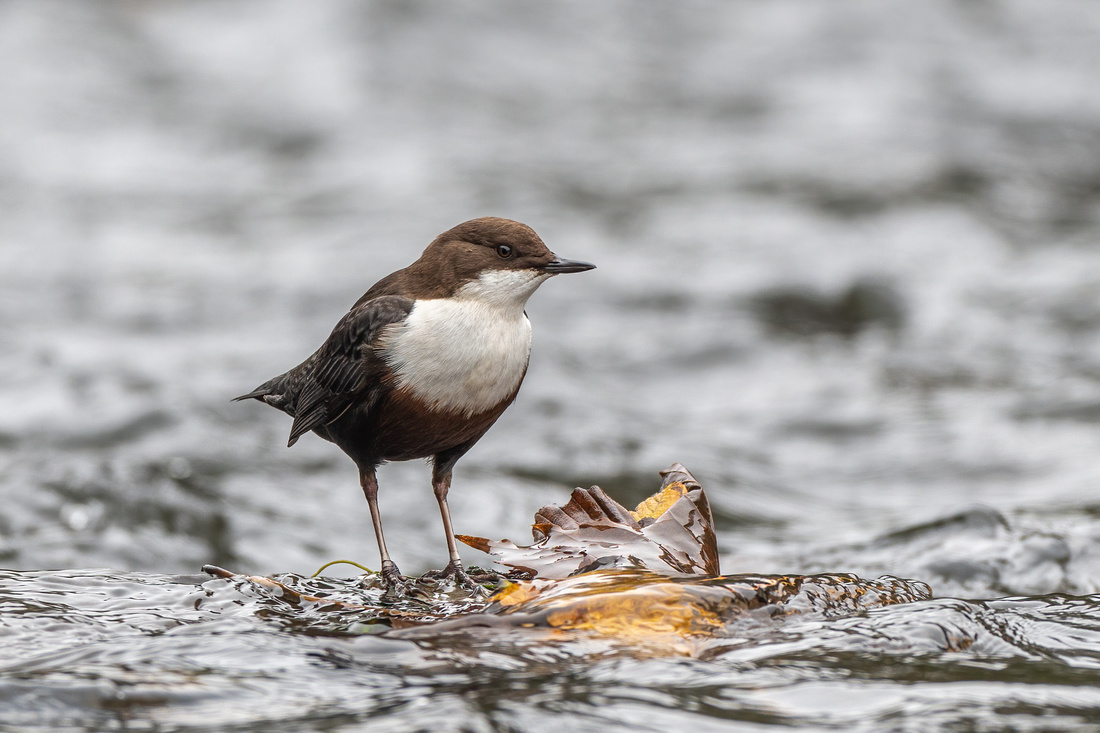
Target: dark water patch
(1033, 181)
(105, 436)
(979, 521)
(844, 199)
(1086, 412)
(917, 372)
(671, 302)
(701, 359)
(1048, 193)
(276, 138)
(803, 312)
(833, 430)
(1079, 313)
(948, 667)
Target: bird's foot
(457, 575)
(396, 584)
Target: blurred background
(849, 272)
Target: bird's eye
(504, 250)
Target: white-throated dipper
(425, 362)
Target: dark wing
(327, 384)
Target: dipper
(424, 363)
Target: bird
(423, 364)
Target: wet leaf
(648, 578)
(658, 614)
(671, 532)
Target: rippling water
(127, 651)
(848, 275)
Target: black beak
(559, 266)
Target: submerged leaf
(611, 601)
(655, 614)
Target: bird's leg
(394, 581)
(441, 484)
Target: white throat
(468, 353)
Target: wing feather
(336, 374)
(325, 385)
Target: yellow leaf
(659, 503)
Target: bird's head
(491, 259)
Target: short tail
(280, 393)
(273, 391)
(256, 394)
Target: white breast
(468, 353)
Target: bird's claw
(457, 575)
(396, 584)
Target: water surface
(848, 275)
